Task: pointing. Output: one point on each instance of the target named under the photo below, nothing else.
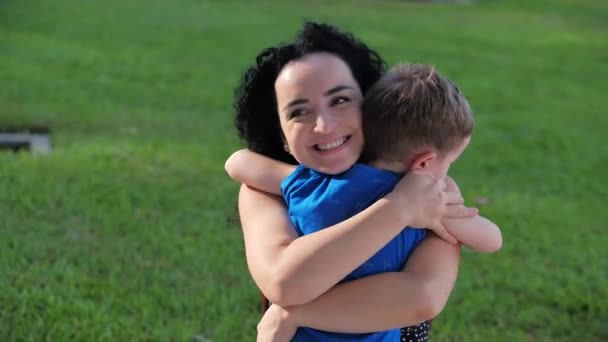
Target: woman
(299, 274)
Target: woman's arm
(384, 301)
(292, 271)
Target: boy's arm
(257, 171)
(477, 232)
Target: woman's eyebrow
(336, 90)
(330, 92)
(294, 102)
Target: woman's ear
(421, 161)
(285, 145)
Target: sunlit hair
(257, 118)
(410, 107)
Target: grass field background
(122, 232)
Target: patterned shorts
(416, 333)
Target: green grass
(122, 233)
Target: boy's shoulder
(361, 171)
(356, 171)
(307, 192)
(360, 175)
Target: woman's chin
(336, 168)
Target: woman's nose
(325, 123)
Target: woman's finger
(460, 211)
(454, 198)
(444, 234)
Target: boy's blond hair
(410, 107)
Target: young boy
(414, 119)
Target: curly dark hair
(257, 119)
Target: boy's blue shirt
(316, 201)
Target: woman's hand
(425, 202)
(456, 208)
(276, 326)
(450, 185)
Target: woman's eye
(339, 100)
(296, 112)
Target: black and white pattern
(416, 333)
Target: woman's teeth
(329, 146)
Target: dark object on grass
(35, 139)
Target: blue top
(316, 201)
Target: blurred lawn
(121, 233)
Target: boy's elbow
(488, 247)
(491, 242)
(495, 244)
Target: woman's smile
(332, 146)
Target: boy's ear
(421, 161)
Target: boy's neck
(396, 166)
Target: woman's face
(319, 106)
